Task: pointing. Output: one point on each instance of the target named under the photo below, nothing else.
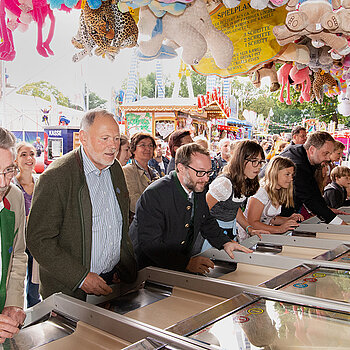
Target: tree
(199, 83)
(262, 101)
(44, 90)
(96, 101)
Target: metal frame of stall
(122, 326)
(314, 224)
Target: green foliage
(44, 90)
(262, 101)
(96, 101)
(198, 84)
(147, 85)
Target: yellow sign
(251, 33)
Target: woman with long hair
(264, 207)
(25, 180)
(239, 180)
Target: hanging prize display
(250, 31)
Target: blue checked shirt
(107, 221)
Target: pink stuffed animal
(302, 77)
(17, 13)
(283, 79)
(7, 49)
(41, 9)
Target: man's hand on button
(95, 284)
(229, 247)
(199, 264)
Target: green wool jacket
(59, 231)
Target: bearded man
(172, 212)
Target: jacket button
(187, 225)
(188, 207)
(183, 242)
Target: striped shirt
(107, 221)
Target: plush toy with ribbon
(193, 31)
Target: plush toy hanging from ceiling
(257, 4)
(193, 31)
(262, 71)
(344, 101)
(21, 14)
(41, 10)
(316, 20)
(159, 8)
(107, 28)
(7, 49)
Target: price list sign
(251, 33)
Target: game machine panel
(59, 140)
(273, 256)
(315, 227)
(172, 308)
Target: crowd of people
(116, 205)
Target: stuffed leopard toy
(107, 28)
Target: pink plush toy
(41, 9)
(302, 77)
(7, 49)
(283, 79)
(17, 14)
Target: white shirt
(269, 211)
(221, 189)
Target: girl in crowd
(228, 192)
(139, 174)
(276, 189)
(25, 179)
(124, 152)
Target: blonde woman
(264, 208)
(25, 180)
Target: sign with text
(251, 33)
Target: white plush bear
(192, 30)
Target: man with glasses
(78, 223)
(12, 242)
(172, 212)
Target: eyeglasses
(9, 173)
(142, 145)
(201, 173)
(255, 162)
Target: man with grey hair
(78, 224)
(12, 242)
(222, 158)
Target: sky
(100, 74)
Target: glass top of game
(270, 324)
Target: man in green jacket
(78, 224)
